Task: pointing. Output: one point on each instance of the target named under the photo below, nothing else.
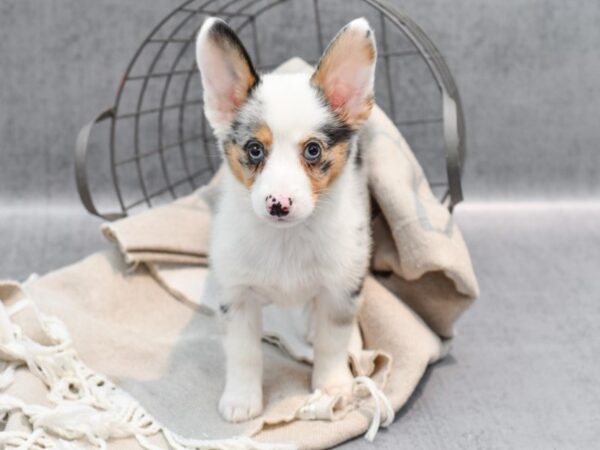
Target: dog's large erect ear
(346, 72)
(228, 75)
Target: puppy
(291, 225)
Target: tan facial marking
(333, 160)
(241, 166)
(264, 135)
(234, 155)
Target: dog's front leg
(241, 326)
(335, 315)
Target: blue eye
(255, 150)
(312, 151)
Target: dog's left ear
(228, 75)
(346, 72)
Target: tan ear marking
(345, 72)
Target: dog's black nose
(278, 210)
(278, 206)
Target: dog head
(286, 137)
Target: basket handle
(452, 138)
(81, 178)
(453, 117)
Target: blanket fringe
(86, 405)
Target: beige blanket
(138, 314)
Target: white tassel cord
(86, 405)
(319, 406)
(379, 399)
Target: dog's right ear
(228, 75)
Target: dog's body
(291, 226)
(289, 266)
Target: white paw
(240, 406)
(333, 382)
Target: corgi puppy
(292, 223)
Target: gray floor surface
(524, 370)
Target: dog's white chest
(285, 266)
(290, 266)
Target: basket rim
(452, 109)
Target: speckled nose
(278, 205)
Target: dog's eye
(312, 151)
(255, 150)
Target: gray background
(528, 72)
(525, 367)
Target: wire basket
(161, 146)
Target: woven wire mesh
(161, 146)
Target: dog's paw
(239, 407)
(334, 382)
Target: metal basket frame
(452, 116)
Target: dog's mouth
(282, 222)
(278, 218)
